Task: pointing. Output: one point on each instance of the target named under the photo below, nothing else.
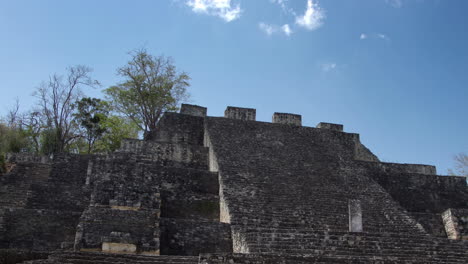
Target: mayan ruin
(224, 190)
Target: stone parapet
(194, 110)
(336, 127)
(285, 118)
(240, 113)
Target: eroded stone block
(336, 127)
(456, 223)
(194, 110)
(355, 216)
(119, 248)
(240, 113)
(285, 118)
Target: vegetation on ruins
(461, 165)
(151, 86)
(56, 103)
(65, 120)
(91, 115)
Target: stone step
(397, 245)
(104, 258)
(303, 259)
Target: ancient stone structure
(218, 190)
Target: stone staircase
(15, 187)
(346, 244)
(318, 259)
(102, 258)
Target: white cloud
(220, 8)
(382, 36)
(373, 36)
(268, 29)
(312, 18)
(273, 29)
(286, 29)
(395, 3)
(327, 67)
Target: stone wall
(418, 192)
(27, 157)
(39, 230)
(192, 237)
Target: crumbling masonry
(218, 190)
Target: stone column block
(355, 216)
(285, 118)
(194, 110)
(240, 113)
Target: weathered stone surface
(336, 127)
(192, 237)
(456, 223)
(194, 110)
(240, 113)
(355, 216)
(284, 118)
(275, 193)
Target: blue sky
(394, 71)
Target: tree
(117, 129)
(56, 99)
(91, 115)
(33, 127)
(461, 165)
(151, 86)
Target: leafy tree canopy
(151, 86)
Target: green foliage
(13, 139)
(151, 86)
(117, 129)
(91, 116)
(49, 141)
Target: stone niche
(336, 127)
(285, 118)
(240, 113)
(456, 223)
(194, 110)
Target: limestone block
(240, 113)
(285, 118)
(456, 223)
(193, 110)
(336, 127)
(119, 248)
(355, 216)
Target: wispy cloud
(382, 36)
(395, 3)
(286, 29)
(330, 66)
(313, 16)
(220, 8)
(270, 29)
